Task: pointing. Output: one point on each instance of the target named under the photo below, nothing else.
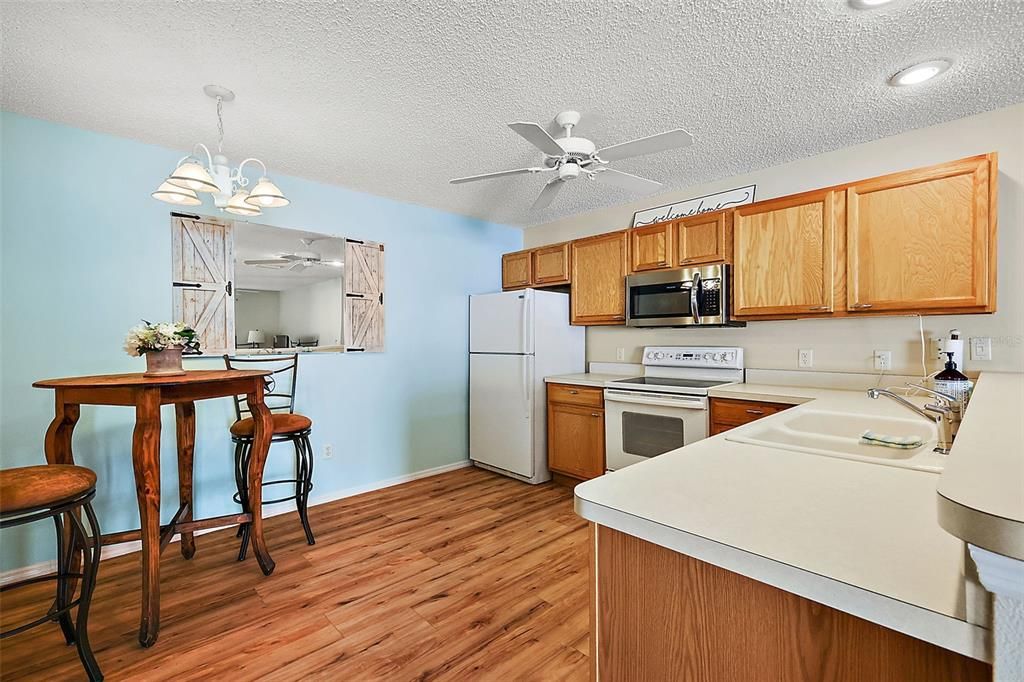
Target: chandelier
(216, 177)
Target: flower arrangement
(151, 338)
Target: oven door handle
(691, 403)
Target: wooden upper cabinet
(516, 270)
(701, 239)
(651, 247)
(783, 255)
(551, 264)
(923, 239)
(599, 267)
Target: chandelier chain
(220, 125)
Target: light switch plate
(981, 348)
(805, 358)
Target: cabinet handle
(818, 307)
(861, 305)
(755, 411)
(595, 414)
(572, 392)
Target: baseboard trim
(111, 551)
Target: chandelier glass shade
(238, 205)
(173, 194)
(209, 173)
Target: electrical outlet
(620, 354)
(805, 358)
(883, 359)
(328, 451)
(981, 348)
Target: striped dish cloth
(901, 442)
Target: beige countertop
(859, 537)
(595, 379)
(981, 491)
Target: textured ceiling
(395, 98)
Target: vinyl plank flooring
(465, 575)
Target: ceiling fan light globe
(266, 194)
(190, 175)
(179, 196)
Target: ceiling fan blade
(297, 266)
(547, 195)
(647, 145)
(499, 174)
(627, 181)
(538, 137)
(269, 261)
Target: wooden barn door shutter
(364, 296)
(203, 268)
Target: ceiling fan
(296, 261)
(570, 157)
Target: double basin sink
(837, 434)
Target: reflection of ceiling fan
(571, 157)
(296, 261)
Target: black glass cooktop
(665, 381)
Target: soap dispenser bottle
(952, 381)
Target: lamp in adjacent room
(256, 338)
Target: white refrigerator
(516, 338)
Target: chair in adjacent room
(288, 428)
(62, 493)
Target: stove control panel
(717, 357)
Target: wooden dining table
(146, 395)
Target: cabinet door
(599, 264)
(922, 239)
(700, 239)
(651, 247)
(575, 440)
(516, 270)
(551, 264)
(783, 256)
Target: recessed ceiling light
(919, 73)
(867, 4)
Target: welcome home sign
(705, 204)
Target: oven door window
(650, 435)
(652, 301)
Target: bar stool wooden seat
(287, 427)
(61, 492)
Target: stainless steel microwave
(686, 297)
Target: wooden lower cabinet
(575, 431)
(599, 268)
(661, 615)
(727, 413)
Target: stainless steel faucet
(946, 412)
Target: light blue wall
(86, 253)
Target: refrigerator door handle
(525, 318)
(526, 378)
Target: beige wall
(847, 344)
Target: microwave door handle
(695, 298)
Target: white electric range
(667, 407)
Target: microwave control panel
(709, 299)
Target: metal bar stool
(288, 428)
(59, 492)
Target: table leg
(57, 447)
(185, 423)
(264, 428)
(146, 461)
